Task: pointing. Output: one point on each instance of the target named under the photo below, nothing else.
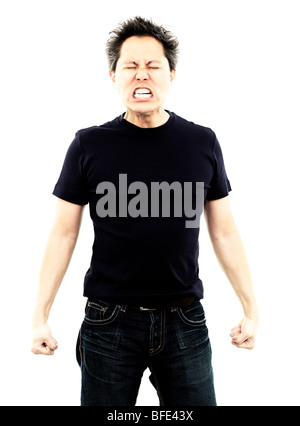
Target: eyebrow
(147, 63)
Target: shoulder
(98, 129)
(201, 132)
(86, 137)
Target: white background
(238, 74)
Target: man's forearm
(232, 258)
(57, 257)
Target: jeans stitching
(162, 333)
(190, 322)
(97, 306)
(152, 330)
(112, 318)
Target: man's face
(142, 77)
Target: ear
(172, 75)
(112, 75)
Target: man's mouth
(142, 94)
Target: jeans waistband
(177, 303)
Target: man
(146, 176)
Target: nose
(142, 74)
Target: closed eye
(133, 68)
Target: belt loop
(123, 308)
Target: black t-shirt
(143, 254)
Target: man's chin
(142, 108)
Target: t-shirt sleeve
(71, 185)
(219, 185)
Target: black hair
(140, 27)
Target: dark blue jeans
(116, 343)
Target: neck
(147, 120)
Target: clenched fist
(42, 341)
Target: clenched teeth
(142, 92)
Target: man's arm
(230, 253)
(59, 250)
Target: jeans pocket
(191, 327)
(100, 313)
(192, 315)
(100, 328)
